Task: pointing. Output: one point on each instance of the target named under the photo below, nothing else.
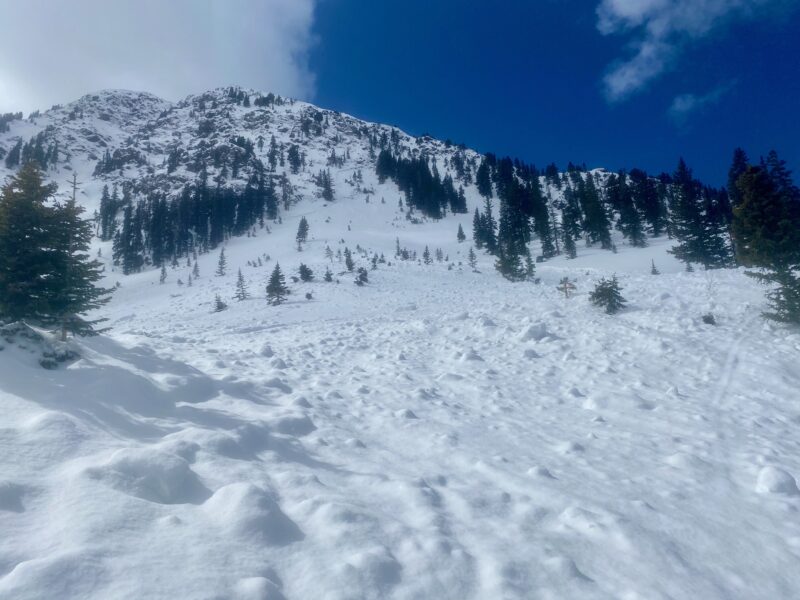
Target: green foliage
(46, 273)
(607, 295)
(276, 287)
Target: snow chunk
(256, 588)
(772, 480)
(536, 332)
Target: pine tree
(328, 277)
(348, 260)
(241, 288)
(766, 227)
(276, 287)
(306, 274)
(26, 263)
(329, 253)
(302, 230)
(426, 256)
(607, 294)
(530, 267)
(653, 269)
(472, 259)
(362, 276)
(222, 264)
(46, 273)
(75, 293)
(196, 270)
(219, 305)
(460, 236)
(477, 229)
(163, 277)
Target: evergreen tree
(653, 269)
(276, 287)
(302, 230)
(460, 235)
(739, 166)
(348, 260)
(27, 264)
(607, 294)
(163, 277)
(362, 276)
(472, 259)
(306, 274)
(241, 288)
(328, 277)
(596, 223)
(222, 264)
(696, 224)
(426, 256)
(530, 267)
(483, 179)
(766, 227)
(489, 227)
(219, 305)
(46, 273)
(477, 229)
(196, 270)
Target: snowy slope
(437, 433)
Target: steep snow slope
(437, 433)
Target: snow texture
(437, 433)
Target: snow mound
(151, 475)
(250, 513)
(772, 480)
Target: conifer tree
(477, 229)
(362, 276)
(196, 270)
(328, 277)
(302, 230)
(222, 264)
(472, 259)
(460, 235)
(766, 227)
(163, 277)
(306, 274)
(276, 287)
(530, 267)
(653, 269)
(46, 273)
(219, 305)
(607, 295)
(426, 256)
(348, 260)
(241, 288)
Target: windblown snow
(437, 433)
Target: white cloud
(52, 52)
(685, 105)
(658, 31)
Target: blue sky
(618, 84)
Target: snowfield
(435, 434)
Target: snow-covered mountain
(437, 433)
(161, 146)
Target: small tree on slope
(276, 288)
(607, 295)
(241, 288)
(222, 264)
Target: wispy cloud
(686, 105)
(659, 30)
